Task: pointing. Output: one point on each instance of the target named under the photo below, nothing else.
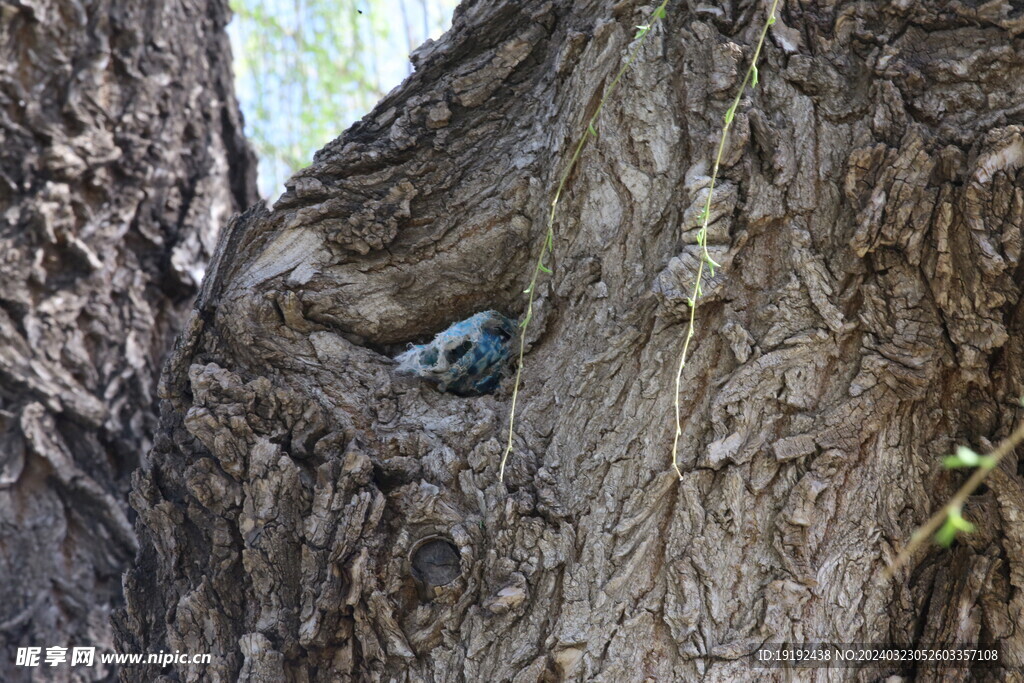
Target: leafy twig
(949, 520)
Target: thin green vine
(702, 235)
(549, 238)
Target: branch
(951, 512)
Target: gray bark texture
(308, 515)
(121, 153)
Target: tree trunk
(307, 514)
(121, 153)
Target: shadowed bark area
(309, 515)
(121, 155)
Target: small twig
(702, 235)
(956, 503)
(549, 238)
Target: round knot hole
(436, 562)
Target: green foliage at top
(307, 69)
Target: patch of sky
(305, 70)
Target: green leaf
(549, 243)
(690, 302)
(526, 320)
(659, 13)
(771, 20)
(946, 534)
(753, 75)
(967, 455)
(954, 524)
(528, 289)
(710, 261)
(544, 268)
(591, 129)
(961, 524)
(642, 31)
(964, 457)
(730, 113)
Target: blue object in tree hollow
(466, 359)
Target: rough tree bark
(121, 154)
(304, 509)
